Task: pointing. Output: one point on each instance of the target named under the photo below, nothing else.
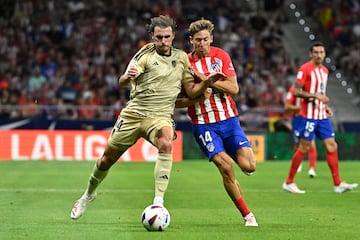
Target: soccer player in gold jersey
(156, 73)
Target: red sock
(241, 205)
(333, 163)
(295, 163)
(312, 156)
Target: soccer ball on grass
(155, 218)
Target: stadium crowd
(63, 58)
(339, 21)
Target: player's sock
(295, 163)
(333, 163)
(158, 200)
(95, 179)
(312, 156)
(241, 205)
(162, 173)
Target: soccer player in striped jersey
(214, 116)
(156, 73)
(310, 86)
(292, 106)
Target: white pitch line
(127, 190)
(67, 190)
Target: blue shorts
(225, 136)
(311, 128)
(295, 129)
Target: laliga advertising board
(72, 145)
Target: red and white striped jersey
(291, 99)
(220, 106)
(314, 80)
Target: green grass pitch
(37, 196)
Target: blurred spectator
(111, 78)
(30, 107)
(4, 100)
(67, 92)
(48, 68)
(36, 80)
(86, 102)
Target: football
(155, 218)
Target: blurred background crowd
(63, 58)
(339, 23)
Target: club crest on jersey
(297, 133)
(210, 147)
(216, 67)
(306, 134)
(173, 62)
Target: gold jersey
(155, 89)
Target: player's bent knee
(252, 166)
(164, 145)
(247, 164)
(331, 146)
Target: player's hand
(322, 98)
(213, 77)
(207, 93)
(329, 111)
(132, 71)
(130, 74)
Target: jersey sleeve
(301, 75)
(141, 57)
(228, 67)
(290, 98)
(187, 74)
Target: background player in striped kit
(310, 85)
(292, 106)
(214, 118)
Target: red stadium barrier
(72, 145)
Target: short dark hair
(161, 21)
(316, 44)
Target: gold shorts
(127, 130)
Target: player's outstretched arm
(184, 101)
(228, 84)
(298, 92)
